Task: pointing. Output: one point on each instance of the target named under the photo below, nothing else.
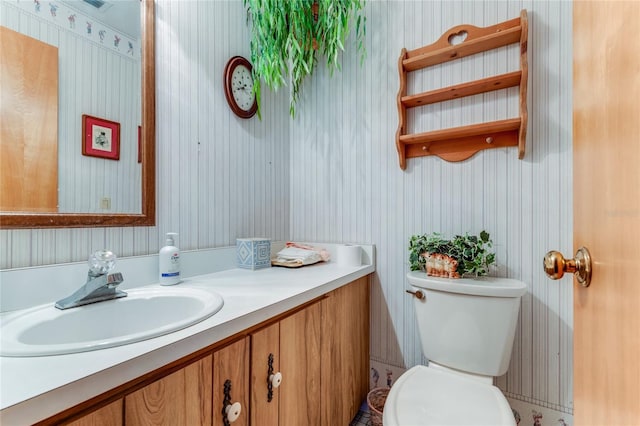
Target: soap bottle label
(174, 266)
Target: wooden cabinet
(231, 382)
(345, 352)
(293, 344)
(321, 349)
(109, 415)
(181, 398)
(300, 340)
(195, 394)
(322, 352)
(265, 362)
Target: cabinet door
(231, 376)
(300, 364)
(265, 360)
(109, 415)
(181, 398)
(345, 352)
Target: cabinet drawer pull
(273, 379)
(233, 411)
(230, 412)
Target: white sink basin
(145, 313)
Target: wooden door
(231, 364)
(181, 398)
(300, 336)
(265, 343)
(606, 126)
(345, 352)
(28, 124)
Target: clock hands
(244, 86)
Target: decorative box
(253, 253)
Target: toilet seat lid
(426, 396)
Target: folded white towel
(301, 256)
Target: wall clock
(238, 87)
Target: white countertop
(35, 388)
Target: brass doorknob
(555, 265)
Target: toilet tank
(468, 324)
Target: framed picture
(100, 138)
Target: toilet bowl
(466, 328)
(426, 396)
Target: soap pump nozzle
(171, 238)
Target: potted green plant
(451, 258)
(287, 35)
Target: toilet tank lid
(481, 286)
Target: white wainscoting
(347, 185)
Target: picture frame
(139, 144)
(100, 138)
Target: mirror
(145, 215)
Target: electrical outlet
(105, 203)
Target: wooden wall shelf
(460, 143)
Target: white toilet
(466, 327)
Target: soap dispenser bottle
(169, 260)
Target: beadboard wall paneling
(332, 174)
(83, 181)
(219, 177)
(232, 177)
(346, 184)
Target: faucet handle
(101, 262)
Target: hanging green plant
(287, 35)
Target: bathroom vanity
(289, 347)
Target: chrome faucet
(100, 285)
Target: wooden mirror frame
(147, 217)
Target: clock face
(238, 87)
(242, 87)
